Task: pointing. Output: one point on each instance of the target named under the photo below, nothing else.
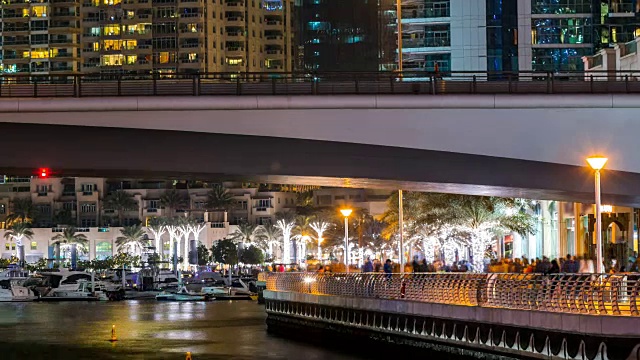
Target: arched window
(104, 250)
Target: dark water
(146, 330)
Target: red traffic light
(43, 173)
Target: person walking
(368, 266)
(388, 268)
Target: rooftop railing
(562, 293)
(328, 83)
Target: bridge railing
(324, 83)
(616, 294)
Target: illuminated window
(103, 250)
(130, 44)
(95, 31)
(96, 46)
(39, 11)
(132, 59)
(163, 57)
(25, 12)
(95, 2)
(234, 61)
(193, 56)
(7, 246)
(41, 53)
(192, 27)
(34, 245)
(111, 60)
(130, 14)
(112, 2)
(112, 45)
(111, 30)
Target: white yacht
(81, 290)
(70, 285)
(238, 290)
(13, 291)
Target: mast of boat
(124, 280)
(93, 281)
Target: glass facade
(562, 31)
(555, 59)
(339, 36)
(502, 36)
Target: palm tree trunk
(74, 256)
(185, 257)
(57, 255)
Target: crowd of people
(568, 264)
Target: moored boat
(13, 291)
(183, 295)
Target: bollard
(113, 334)
(188, 355)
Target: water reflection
(145, 330)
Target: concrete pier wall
(496, 333)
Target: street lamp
(597, 163)
(346, 213)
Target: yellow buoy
(113, 333)
(188, 355)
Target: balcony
(65, 15)
(61, 3)
(235, 20)
(15, 4)
(273, 25)
(426, 43)
(62, 42)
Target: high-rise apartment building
(340, 35)
(518, 35)
(40, 36)
(144, 36)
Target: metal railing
(564, 293)
(328, 83)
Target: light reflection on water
(146, 330)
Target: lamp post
(597, 163)
(346, 213)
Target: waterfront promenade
(572, 316)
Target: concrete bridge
(506, 138)
(565, 316)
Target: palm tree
(132, 237)
(158, 226)
(219, 198)
(485, 217)
(246, 233)
(301, 234)
(22, 210)
(319, 225)
(121, 201)
(18, 231)
(69, 238)
(285, 222)
(271, 235)
(173, 200)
